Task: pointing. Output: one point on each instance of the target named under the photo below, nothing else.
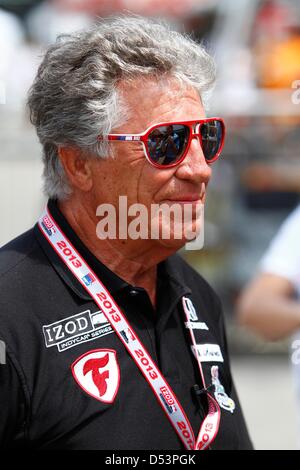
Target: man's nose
(194, 167)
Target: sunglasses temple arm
(120, 137)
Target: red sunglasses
(166, 144)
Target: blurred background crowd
(255, 185)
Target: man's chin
(177, 243)
(172, 244)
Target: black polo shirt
(48, 322)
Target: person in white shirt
(270, 304)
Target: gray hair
(74, 97)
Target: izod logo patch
(75, 330)
(97, 373)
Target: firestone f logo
(97, 373)
(99, 379)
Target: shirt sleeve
(12, 406)
(283, 255)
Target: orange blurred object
(280, 63)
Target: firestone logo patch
(97, 372)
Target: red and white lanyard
(161, 389)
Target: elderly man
(115, 342)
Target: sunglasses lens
(212, 138)
(166, 144)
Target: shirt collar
(111, 281)
(168, 272)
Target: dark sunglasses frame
(194, 131)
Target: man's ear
(77, 168)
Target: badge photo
(97, 372)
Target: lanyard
(160, 387)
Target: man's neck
(131, 261)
